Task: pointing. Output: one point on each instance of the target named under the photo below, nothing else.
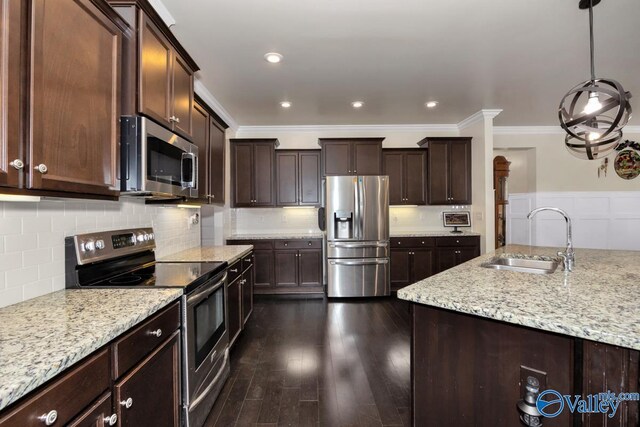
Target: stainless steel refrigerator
(356, 224)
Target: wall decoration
(456, 219)
(627, 164)
(604, 166)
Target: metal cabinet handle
(177, 119)
(49, 418)
(111, 420)
(42, 168)
(248, 260)
(286, 244)
(157, 332)
(128, 403)
(233, 270)
(17, 164)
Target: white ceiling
(517, 55)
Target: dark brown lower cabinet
(234, 304)
(286, 266)
(145, 374)
(240, 295)
(137, 395)
(467, 371)
(247, 295)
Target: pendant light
(594, 112)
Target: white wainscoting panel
(601, 220)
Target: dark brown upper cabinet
(75, 92)
(351, 156)
(209, 136)
(297, 177)
(253, 172)
(407, 171)
(448, 170)
(12, 57)
(158, 72)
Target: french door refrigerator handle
(373, 261)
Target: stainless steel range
(125, 258)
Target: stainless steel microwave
(155, 162)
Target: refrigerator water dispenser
(343, 222)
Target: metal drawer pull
(157, 332)
(233, 270)
(111, 420)
(42, 168)
(359, 245)
(127, 403)
(247, 260)
(17, 164)
(309, 243)
(49, 418)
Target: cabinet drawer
(67, 396)
(133, 347)
(234, 271)
(411, 242)
(247, 261)
(257, 244)
(458, 241)
(298, 244)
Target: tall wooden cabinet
(353, 156)
(297, 177)
(407, 171)
(449, 170)
(252, 172)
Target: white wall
(522, 170)
(32, 238)
(601, 220)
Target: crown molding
(544, 130)
(211, 100)
(348, 128)
(164, 13)
(477, 117)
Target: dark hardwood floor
(310, 362)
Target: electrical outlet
(478, 216)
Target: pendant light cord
(593, 67)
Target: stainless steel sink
(522, 265)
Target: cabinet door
(421, 264)
(400, 268)
(201, 139)
(97, 415)
(415, 176)
(234, 308)
(263, 268)
(367, 158)
(309, 178)
(438, 172)
(11, 14)
(154, 86)
(75, 93)
(446, 259)
(247, 294)
(287, 178)
(336, 158)
(310, 267)
(242, 170)
(182, 97)
(467, 254)
(460, 173)
(286, 267)
(393, 163)
(217, 153)
(263, 179)
(160, 371)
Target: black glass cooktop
(166, 275)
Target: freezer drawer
(357, 249)
(362, 277)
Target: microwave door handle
(194, 170)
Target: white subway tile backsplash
(32, 238)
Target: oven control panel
(92, 247)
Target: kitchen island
(478, 334)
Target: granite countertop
(228, 253)
(43, 336)
(598, 301)
(287, 236)
(431, 233)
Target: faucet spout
(568, 255)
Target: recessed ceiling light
(357, 104)
(432, 104)
(273, 57)
(285, 104)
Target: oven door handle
(213, 383)
(196, 298)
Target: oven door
(170, 164)
(206, 338)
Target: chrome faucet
(568, 256)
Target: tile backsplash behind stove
(32, 237)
